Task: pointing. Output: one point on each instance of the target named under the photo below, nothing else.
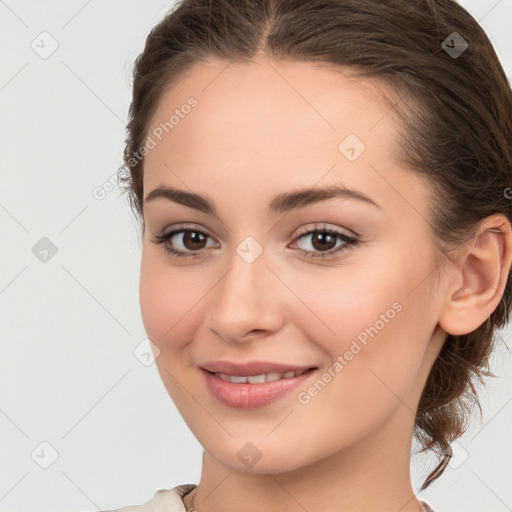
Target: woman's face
(263, 281)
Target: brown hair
(455, 113)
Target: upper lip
(251, 367)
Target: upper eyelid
(326, 226)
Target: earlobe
(480, 278)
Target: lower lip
(251, 396)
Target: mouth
(261, 378)
(253, 385)
(253, 368)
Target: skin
(261, 129)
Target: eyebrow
(281, 203)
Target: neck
(371, 475)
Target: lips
(241, 385)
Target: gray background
(73, 372)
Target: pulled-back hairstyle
(454, 111)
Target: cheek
(378, 321)
(374, 372)
(166, 301)
(152, 298)
(338, 305)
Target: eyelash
(350, 243)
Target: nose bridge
(243, 302)
(246, 277)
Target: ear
(480, 277)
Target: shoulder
(164, 500)
(427, 507)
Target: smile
(258, 379)
(256, 390)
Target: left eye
(193, 240)
(325, 241)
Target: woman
(323, 194)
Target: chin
(258, 457)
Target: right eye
(191, 239)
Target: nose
(246, 302)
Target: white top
(164, 500)
(170, 500)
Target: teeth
(256, 379)
(259, 379)
(238, 380)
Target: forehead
(270, 125)
(272, 93)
